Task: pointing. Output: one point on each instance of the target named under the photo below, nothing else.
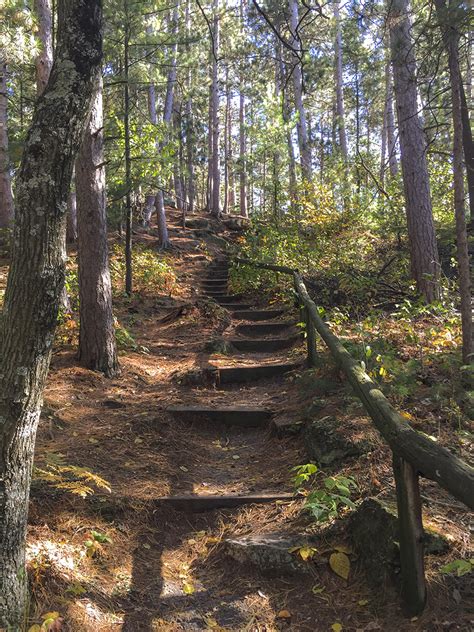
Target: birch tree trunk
(216, 174)
(163, 237)
(97, 348)
(447, 21)
(413, 146)
(36, 279)
(340, 114)
(302, 126)
(6, 196)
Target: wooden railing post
(310, 340)
(411, 536)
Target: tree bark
(36, 279)
(71, 227)
(413, 146)
(97, 348)
(150, 198)
(128, 162)
(340, 114)
(6, 195)
(44, 60)
(447, 21)
(189, 124)
(242, 157)
(163, 237)
(216, 173)
(302, 126)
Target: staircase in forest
(257, 337)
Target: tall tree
(339, 110)
(163, 237)
(44, 59)
(216, 173)
(302, 125)
(413, 146)
(6, 195)
(97, 348)
(448, 18)
(36, 279)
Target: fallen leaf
(284, 614)
(336, 627)
(363, 602)
(340, 564)
(188, 588)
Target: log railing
(414, 454)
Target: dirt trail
(183, 423)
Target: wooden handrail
(414, 454)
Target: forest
(236, 315)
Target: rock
(217, 241)
(197, 222)
(375, 535)
(218, 345)
(285, 426)
(269, 552)
(327, 444)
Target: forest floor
(121, 560)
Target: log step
(196, 504)
(258, 314)
(214, 282)
(232, 374)
(234, 306)
(263, 345)
(260, 329)
(230, 298)
(243, 417)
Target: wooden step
(236, 416)
(233, 374)
(258, 314)
(229, 298)
(234, 306)
(196, 504)
(263, 345)
(218, 278)
(214, 281)
(260, 329)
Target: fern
(72, 478)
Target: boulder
(197, 222)
(326, 442)
(374, 531)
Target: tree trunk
(189, 123)
(6, 196)
(71, 228)
(449, 31)
(216, 174)
(340, 115)
(36, 279)
(413, 146)
(163, 237)
(390, 122)
(128, 159)
(44, 60)
(302, 126)
(242, 158)
(150, 198)
(468, 148)
(97, 349)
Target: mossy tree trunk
(36, 278)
